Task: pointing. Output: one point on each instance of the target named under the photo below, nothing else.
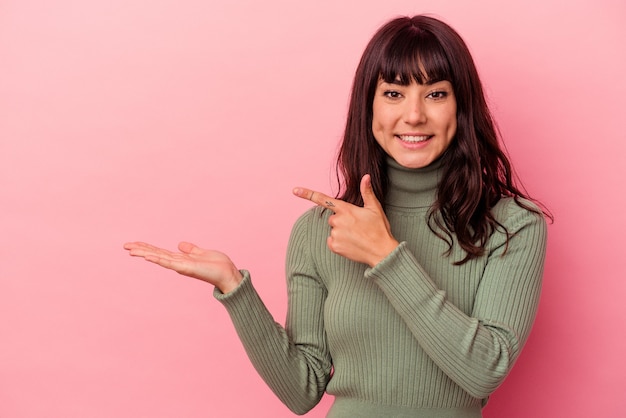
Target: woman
(412, 292)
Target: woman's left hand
(361, 234)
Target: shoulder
(515, 214)
(314, 214)
(522, 224)
(307, 243)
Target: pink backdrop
(164, 120)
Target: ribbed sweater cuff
(401, 263)
(246, 309)
(244, 287)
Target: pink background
(164, 120)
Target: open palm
(210, 266)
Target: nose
(414, 112)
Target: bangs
(414, 55)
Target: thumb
(187, 247)
(367, 192)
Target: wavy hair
(476, 171)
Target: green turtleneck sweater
(414, 336)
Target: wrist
(231, 283)
(385, 251)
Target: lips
(414, 139)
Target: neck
(412, 187)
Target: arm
(294, 361)
(477, 350)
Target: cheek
(378, 134)
(382, 119)
(452, 128)
(452, 122)
(378, 125)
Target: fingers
(318, 198)
(189, 248)
(151, 253)
(131, 245)
(141, 249)
(159, 256)
(367, 192)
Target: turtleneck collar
(412, 187)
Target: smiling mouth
(414, 139)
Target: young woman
(413, 291)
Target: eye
(392, 94)
(438, 94)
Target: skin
(210, 266)
(425, 111)
(361, 234)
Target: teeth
(409, 138)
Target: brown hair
(476, 171)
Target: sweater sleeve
(294, 361)
(477, 350)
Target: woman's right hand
(210, 266)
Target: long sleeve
(416, 335)
(294, 361)
(475, 347)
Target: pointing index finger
(316, 197)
